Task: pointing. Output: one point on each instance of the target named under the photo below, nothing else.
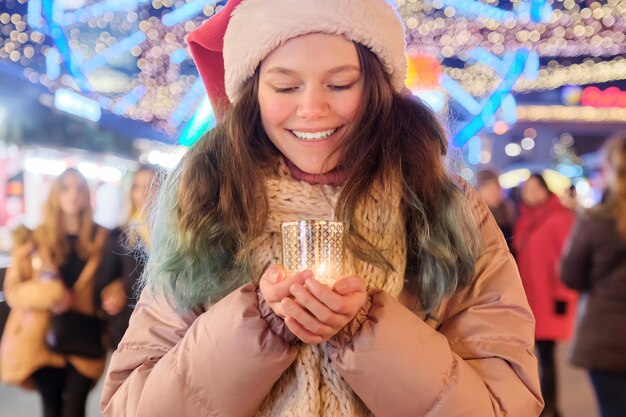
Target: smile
(313, 136)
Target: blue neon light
(531, 69)
(459, 94)
(34, 14)
(494, 102)
(509, 109)
(482, 55)
(178, 56)
(98, 10)
(186, 12)
(129, 99)
(114, 51)
(69, 59)
(476, 8)
(187, 103)
(53, 63)
(474, 150)
(540, 10)
(73, 103)
(202, 120)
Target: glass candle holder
(316, 245)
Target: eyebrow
(286, 71)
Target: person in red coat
(540, 235)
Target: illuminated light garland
(570, 114)
(590, 31)
(481, 78)
(436, 28)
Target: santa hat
(230, 46)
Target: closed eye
(285, 90)
(340, 87)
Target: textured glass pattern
(316, 245)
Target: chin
(317, 167)
(313, 169)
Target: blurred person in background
(570, 198)
(492, 194)
(595, 264)
(124, 255)
(52, 272)
(539, 237)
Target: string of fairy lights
(138, 66)
(480, 78)
(573, 30)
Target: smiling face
(309, 91)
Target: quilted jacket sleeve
(221, 362)
(23, 291)
(478, 363)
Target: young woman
(432, 320)
(540, 234)
(51, 273)
(595, 264)
(123, 256)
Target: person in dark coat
(540, 235)
(124, 256)
(503, 210)
(595, 264)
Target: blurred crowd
(71, 287)
(572, 259)
(71, 272)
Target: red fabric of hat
(206, 44)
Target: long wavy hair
(51, 234)
(614, 153)
(137, 233)
(214, 203)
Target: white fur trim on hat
(257, 27)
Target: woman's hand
(113, 298)
(317, 313)
(275, 286)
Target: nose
(313, 104)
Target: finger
(349, 284)
(321, 312)
(331, 299)
(273, 273)
(305, 318)
(280, 290)
(301, 333)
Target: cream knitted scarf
(312, 387)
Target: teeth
(314, 135)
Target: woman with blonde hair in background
(51, 276)
(595, 264)
(124, 255)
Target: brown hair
(51, 236)
(221, 202)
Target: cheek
(348, 105)
(275, 109)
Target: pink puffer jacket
(477, 362)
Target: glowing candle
(316, 245)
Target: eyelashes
(332, 87)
